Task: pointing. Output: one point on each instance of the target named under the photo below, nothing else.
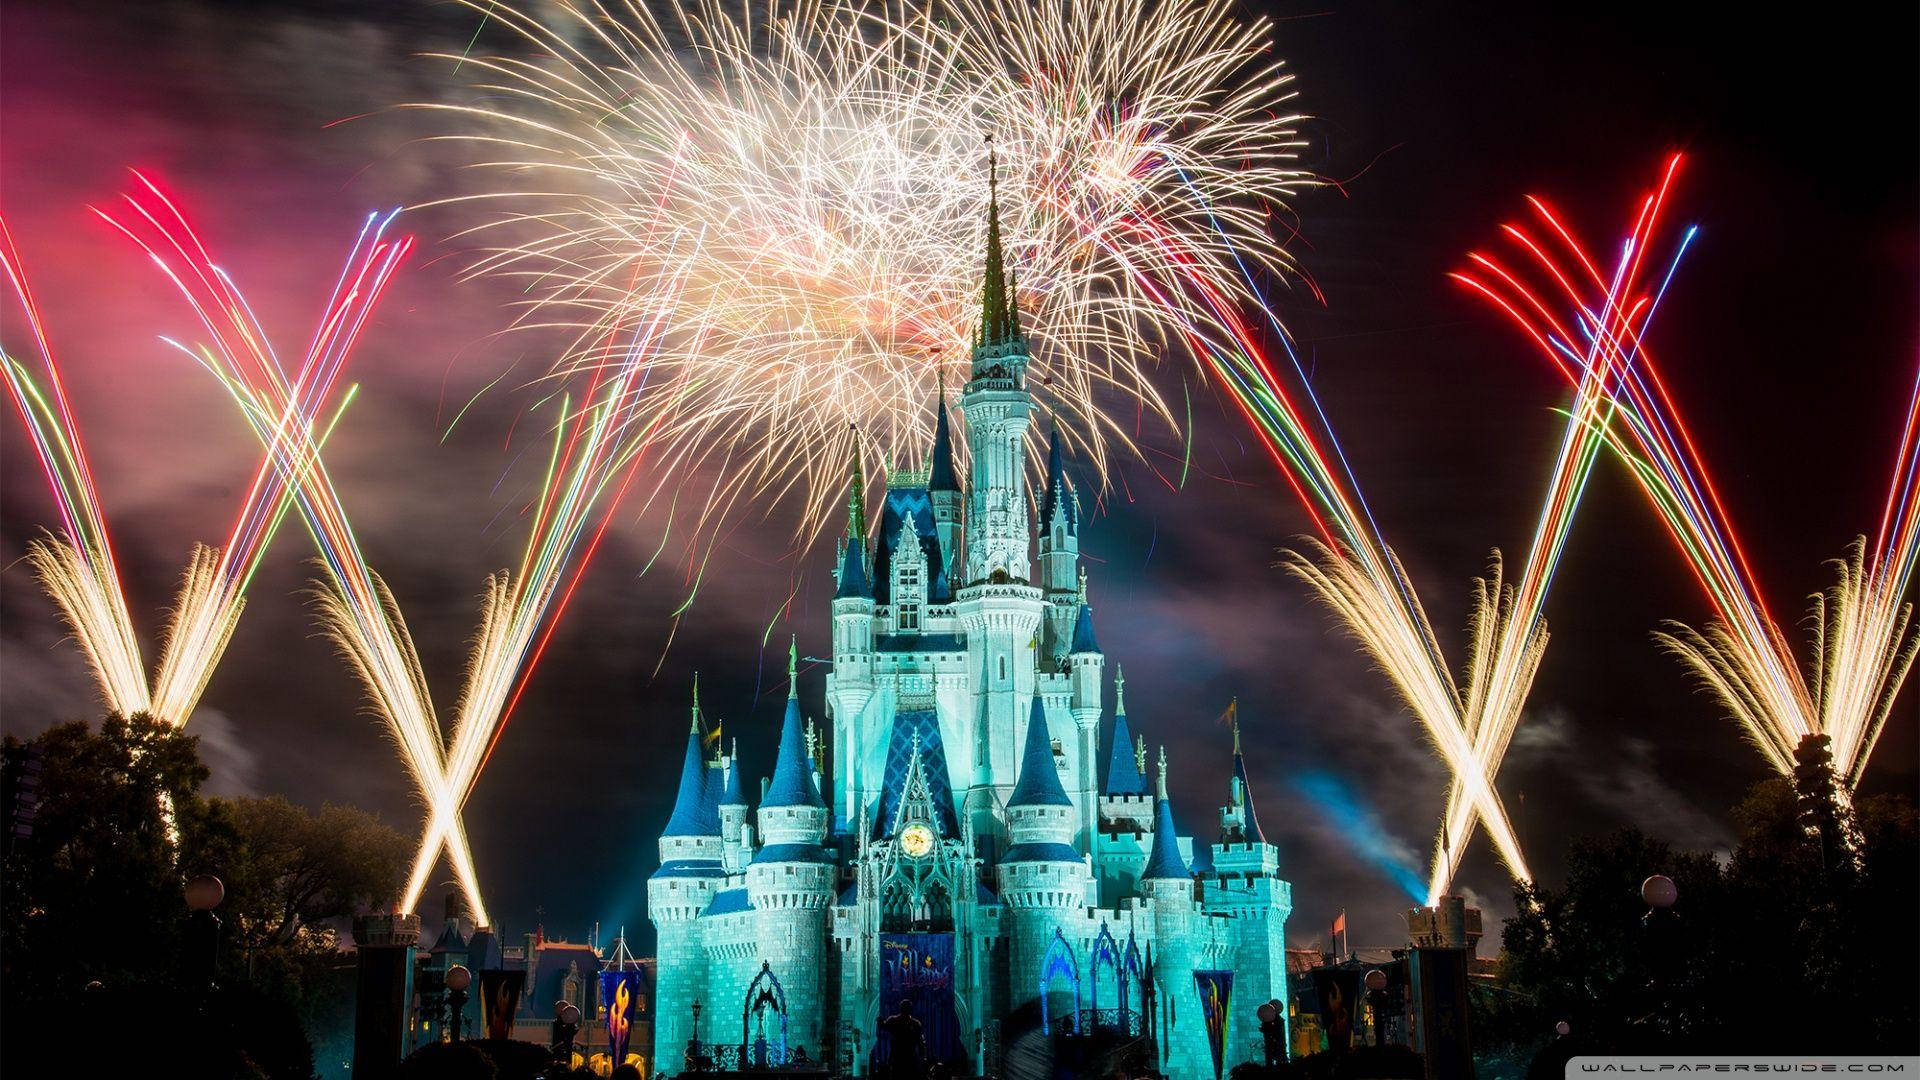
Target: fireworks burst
(1473, 722)
(596, 451)
(1863, 643)
(78, 569)
(821, 164)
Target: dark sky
(1789, 338)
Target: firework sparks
(78, 570)
(1863, 641)
(822, 169)
(596, 450)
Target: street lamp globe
(1563, 1028)
(205, 892)
(1376, 979)
(1659, 892)
(458, 978)
(569, 1014)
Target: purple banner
(620, 993)
(918, 968)
(1216, 999)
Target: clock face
(916, 840)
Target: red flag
(1339, 935)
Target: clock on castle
(965, 851)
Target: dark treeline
(102, 970)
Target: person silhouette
(905, 1039)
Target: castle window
(909, 617)
(1003, 669)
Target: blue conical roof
(792, 780)
(1058, 493)
(693, 808)
(1123, 772)
(940, 475)
(853, 573)
(1039, 783)
(733, 795)
(1165, 860)
(1083, 639)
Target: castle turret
(1245, 885)
(850, 683)
(1167, 892)
(790, 880)
(1044, 882)
(1086, 670)
(690, 873)
(1059, 530)
(1125, 814)
(733, 816)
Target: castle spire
(694, 814)
(733, 795)
(1058, 496)
(857, 496)
(792, 780)
(793, 668)
(1124, 776)
(999, 309)
(694, 725)
(1250, 823)
(940, 474)
(1164, 860)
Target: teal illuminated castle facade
(970, 849)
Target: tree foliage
(94, 915)
(1803, 941)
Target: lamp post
(566, 1025)
(1377, 1001)
(203, 894)
(1660, 893)
(458, 978)
(1271, 1030)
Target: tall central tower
(998, 408)
(995, 602)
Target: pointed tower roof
(1039, 783)
(940, 474)
(1123, 772)
(853, 573)
(999, 309)
(1083, 639)
(856, 494)
(1254, 834)
(733, 796)
(693, 812)
(1058, 493)
(792, 779)
(1164, 862)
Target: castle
(965, 851)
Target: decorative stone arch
(758, 997)
(1059, 963)
(1132, 974)
(1105, 949)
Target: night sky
(1789, 337)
